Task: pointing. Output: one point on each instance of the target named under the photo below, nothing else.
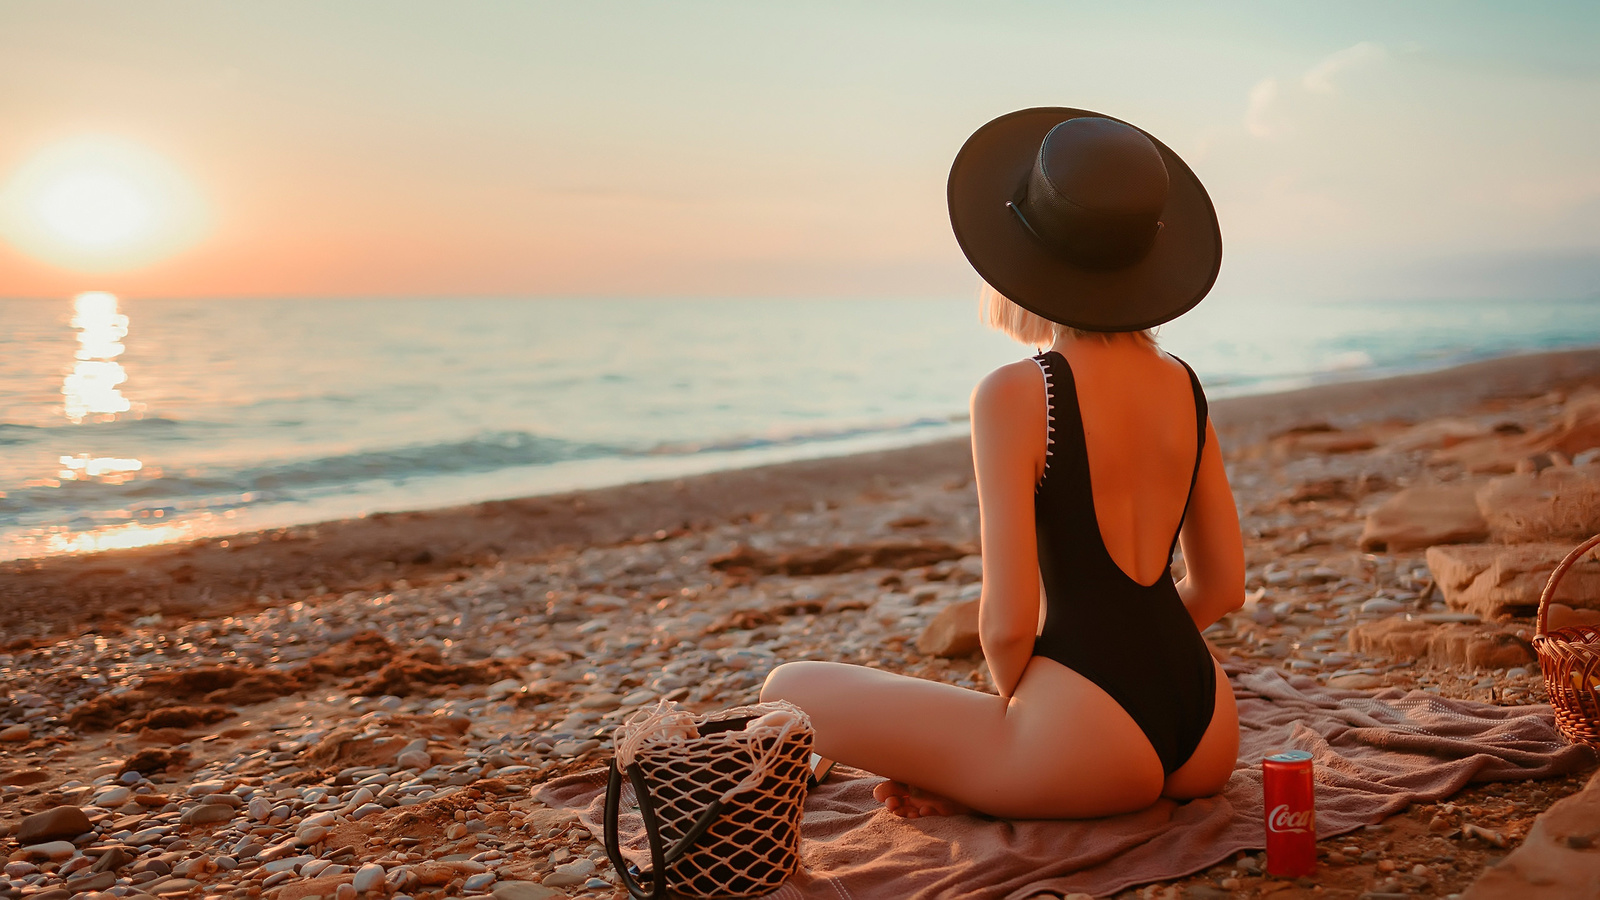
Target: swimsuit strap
(1201, 413)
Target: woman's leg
(1061, 748)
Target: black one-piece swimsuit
(1137, 642)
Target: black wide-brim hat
(1078, 224)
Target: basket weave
(1570, 660)
(725, 804)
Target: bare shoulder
(1013, 385)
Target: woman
(1094, 461)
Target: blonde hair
(1002, 314)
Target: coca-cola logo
(1282, 821)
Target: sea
(126, 422)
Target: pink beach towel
(1375, 753)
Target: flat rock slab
(1494, 581)
(1423, 517)
(1560, 857)
(1455, 644)
(1559, 503)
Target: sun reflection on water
(91, 390)
(91, 393)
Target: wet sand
(278, 713)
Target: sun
(99, 203)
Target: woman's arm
(1213, 550)
(1008, 441)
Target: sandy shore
(281, 712)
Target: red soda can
(1291, 815)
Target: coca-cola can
(1291, 814)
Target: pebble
(112, 797)
(1382, 606)
(309, 835)
(414, 759)
(369, 877)
(51, 850)
(97, 881)
(366, 809)
(201, 788)
(207, 813)
(570, 873)
(16, 733)
(287, 864)
(524, 890)
(53, 824)
(147, 836)
(478, 882)
(346, 891)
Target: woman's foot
(914, 803)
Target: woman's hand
(1009, 434)
(1213, 549)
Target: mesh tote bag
(719, 796)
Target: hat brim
(1174, 276)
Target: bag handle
(1549, 592)
(660, 859)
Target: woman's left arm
(1008, 439)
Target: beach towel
(1374, 752)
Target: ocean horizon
(131, 422)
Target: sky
(395, 148)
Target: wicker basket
(1570, 660)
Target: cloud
(1261, 118)
(1262, 97)
(1319, 79)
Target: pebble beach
(361, 709)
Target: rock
(1560, 503)
(207, 813)
(113, 859)
(413, 759)
(364, 810)
(111, 798)
(1319, 439)
(51, 850)
(1382, 606)
(953, 632)
(369, 877)
(1452, 644)
(52, 824)
(602, 700)
(1496, 581)
(1564, 616)
(176, 886)
(96, 881)
(1423, 517)
(15, 733)
(570, 873)
(478, 882)
(1548, 865)
(524, 890)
